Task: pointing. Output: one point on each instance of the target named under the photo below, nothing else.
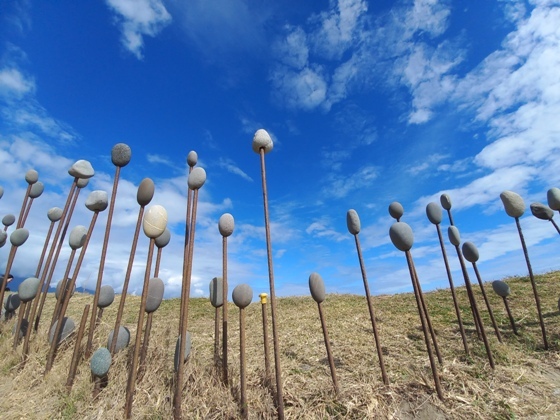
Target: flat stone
(501, 288)
(513, 204)
(36, 190)
(226, 224)
(216, 287)
(155, 221)
(163, 239)
(100, 362)
(192, 158)
(145, 192)
(68, 327)
(28, 288)
(242, 295)
(196, 178)
(81, 169)
(106, 296)
(540, 211)
(77, 237)
(120, 154)
(123, 339)
(97, 200)
(353, 222)
(445, 201)
(262, 140)
(454, 235)
(401, 235)
(8, 220)
(188, 344)
(434, 213)
(396, 210)
(470, 252)
(317, 287)
(155, 294)
(12, 302)
(31, 176)
(19, 236)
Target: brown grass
(525, 383)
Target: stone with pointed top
(396, 210)
(68, 327)
(513, 204)
(36, 190)
(120, 154)
(401, 235)
(445, 201)
(501, 288)
(196, 178)
(54, 214)
(19, 236)
(226, 225)
(242, 295)
(262, 140)
(163, 239)
(106, 296)
(317, 287)
(81, 169)
(145, 192)
(187, 352)
(97, 200)
(28, 288)
(353, 222)
(31, 176)
(8, 220)
(454, 235)
(77, 237)
(123, 338)
(540, 211)
(434, 213)
(155, 294)
(100, 362)
(155, 221)
(470, 252)
(192, 158)
(216, 292)
(553, 198)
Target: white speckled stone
(19, 236)
(454, 235)
(317, 287)
(54, 214)
(106, 296)
(513, 204)
(123, 339)
(100, 362)
(226, 224)
(155, 294)
(145, 192)
(470, 252)
(68, 327)
(262, 140)
(81, 169)
(501, 288)
(36, 190)
(401, 235)
(77, 237)
(82, 182)
(434, 213)
(396, 210)
(97, 200)
(242, 295)
(445, 201)
(216, 292)
(353, 222)
(155, 221)
(120, 154)
(188, 344)
(27, 289)
(163, 240)
(553, 197)
(196, 178)
(8, 220)
(192, 158)
(540, 211)
(31, 176)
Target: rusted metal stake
(328, 347)
(76, 354)
(263, 297)
(494, 323)
(242, 364)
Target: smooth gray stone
(19, 236)
(396, 210)
(434, 213)
(262, 140)
(196, 178)
(68, 328)
(226, 224)
(97, 200)
(106, 296)
(8, 220)
(123, 339)
(120, 154)
(100, 362)
(54, 214)
(163, 239)
(81, 169)
(59, 288)
(155, 294)
(145, 192)
(401, 235)
(242, 295)
(513, 204)
(454, 235)
(22, 329)
(31, 176)
(155, 221)
(192, 158)
(28, 288)
(82, 182)
(188, 344)
(317, 287)
(36, 190)
(3, 237)
(77, 237)
(445, 201)
(553, 198)
(470, 252)
(217, 292)
(540, 211)
(353, 222)
(12, 302)
(501, 288)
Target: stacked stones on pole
(503, 290)
(226, 225)
(17, 239)
(242, 296)
(396, 210)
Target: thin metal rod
(63, 287)
(328, 347)
(555, 225)
(242, 364)
(510, 316)
(216, 336)
(23, 206)
(26, 213)
(494, 323)
(47, 240)
(225, 312)
(76, 354)
(18, 325)
(145, 342)
(450, 217)
(371, 314)
(265, 340)
(11, 257)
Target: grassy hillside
(525, 383)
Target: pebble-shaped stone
(54, 214)
(317, 287)
(196, 178)
(59, 288)
(100, 362)
(501, 288)
(540, 211)
(155, 221)
(31, 176)
(36, 190)
(3, 238)
(396, 210)
(454, 235)
(81, 169)
(434, 213)
(155, 294)
(470, 252)
(192, 158)
(19, 236)
(68, 327)
(82, 182)
(28, 288)
(120, 154)
(106, 296)
(97, 200)
(8, 220)
(123, 339)
(401, 235)
(187, 352)
(262, 140)
(145, 192)
(553, 198)
(445, 201)
(163, 240)
(216, 287)
(242, 295)
(513, 204)
(353, 222)
(226, 224)
(22, 329)
(77, 237)
(12, 302)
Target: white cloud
(231, 167)
(14, 83)
(293, 50)
(305, 89)
(340, 185)
(322, 229)
(137, 19)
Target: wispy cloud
(14, 83)
(230, 166)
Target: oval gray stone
(155, 294)
(513, 204)
(163, 239)
(155, 221)
(196, 178)
(262, 140)
(501, 288)
(59, 288)
(120, 154)
(192, 158)
(226, 224)
(123, 339)
(317, 287)
(396, 210)
(540, 211)
(28, 288)
(100, 362)
(36, 190)
(3, 238)
(97, 200)
(470, 252)
(19, 236)
(8, 220)
(553, 198)
(77, 237)
(145, 192)
(217, 292)
(82, 182)
(68, 327)
(12, 302)
(106, 296)
(445, 201)
(401, 235)
(434, 213)
(242, 295)
(188, 344)
(81, 169)
(54, 214)
(454, 235)
(353, 222)
(31, 176)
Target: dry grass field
(524, 384)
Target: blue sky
(367, 103)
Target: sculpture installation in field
(242, 296)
